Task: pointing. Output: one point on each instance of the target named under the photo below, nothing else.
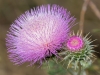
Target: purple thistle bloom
(75, 43)
(38, 33)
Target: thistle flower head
(75, 43)
(38, 33)
(80, 51)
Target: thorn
(70, 62)
(78, 33)
(87, 35)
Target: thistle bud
(79, 50)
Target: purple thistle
(75, 43)
(38, 33)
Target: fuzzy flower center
(75, 43)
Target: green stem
(80, 69)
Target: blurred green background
(11, 9)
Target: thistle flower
(38, 34)
(79, 50)
(75, 43)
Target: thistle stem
(80, 69)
